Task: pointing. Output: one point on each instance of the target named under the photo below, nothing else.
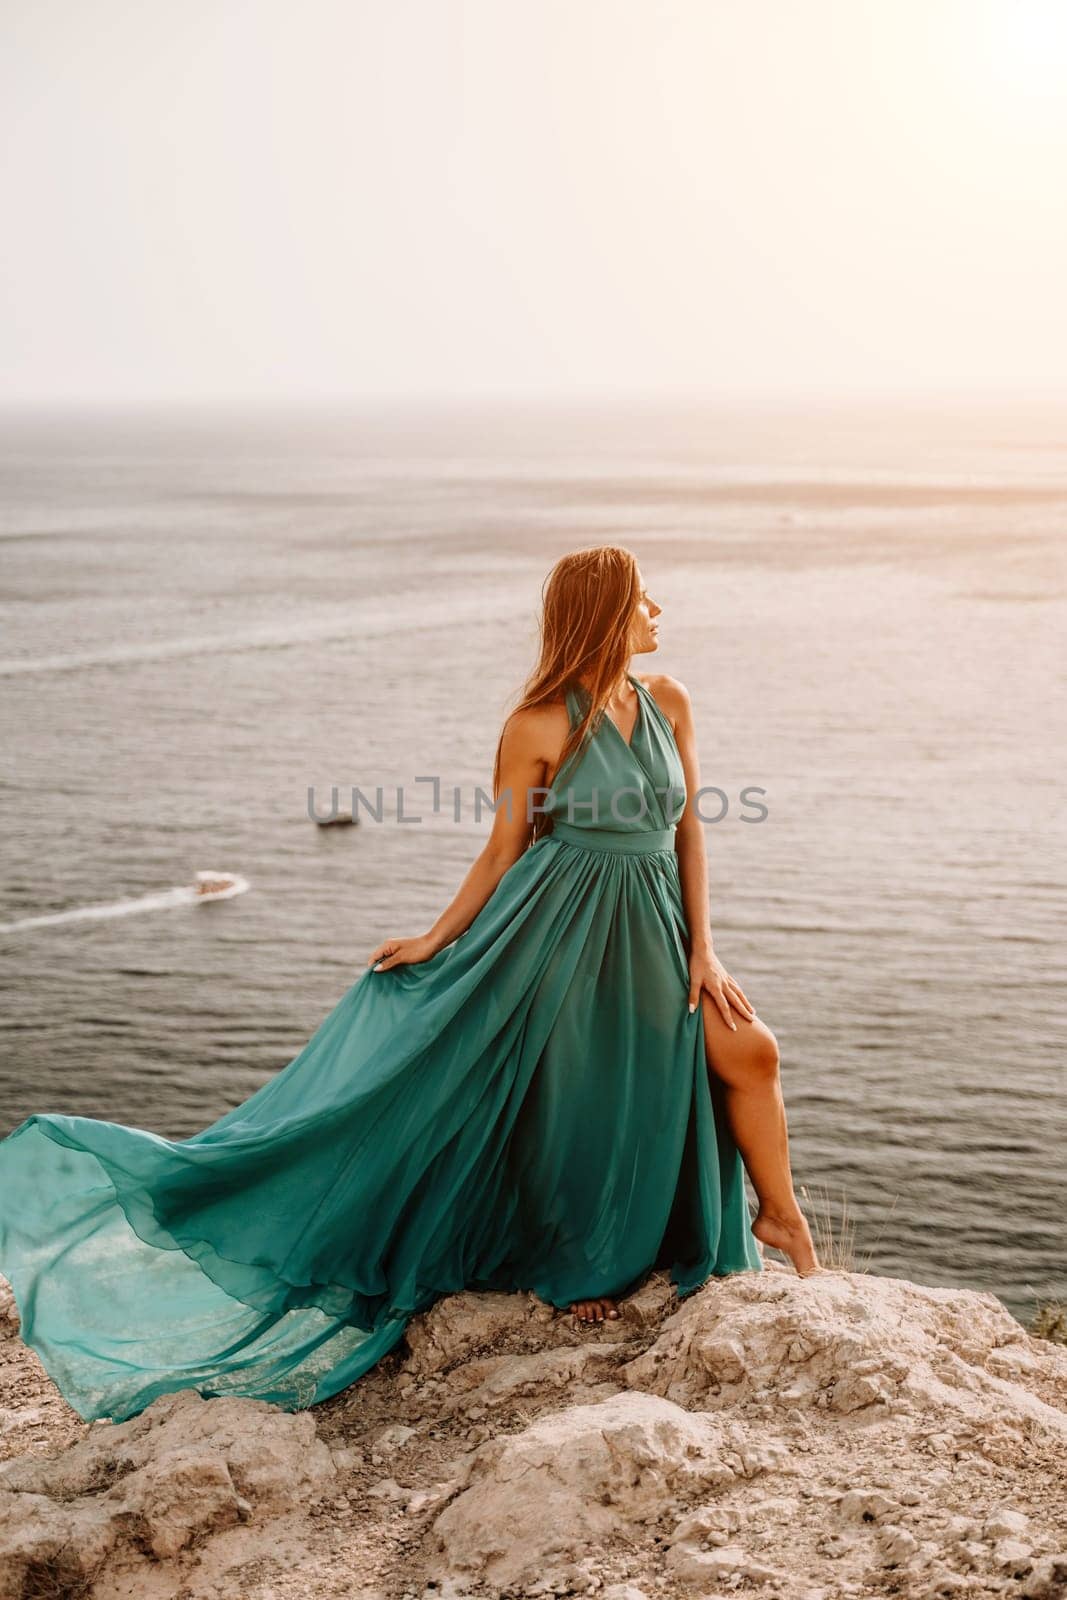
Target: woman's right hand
(401, 952)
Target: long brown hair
(588, 602)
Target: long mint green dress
(528, 1110)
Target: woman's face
(643, 628)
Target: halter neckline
(638, 687)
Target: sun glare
(1027, 43)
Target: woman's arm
(706, 971)
(522, 766)
(689, 838)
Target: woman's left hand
(707, 972)
(401, 952)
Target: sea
(214, 616)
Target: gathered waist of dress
(650, 842)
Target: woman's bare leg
(746, 1064)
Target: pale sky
(303, 199)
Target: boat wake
(208, 886)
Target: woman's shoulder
(670, 694)
(532, 728)
(536, 716)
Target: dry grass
(59, 1577)
(1050, 1322)
(834, 1230)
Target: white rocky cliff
(845, 1435)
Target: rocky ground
(844, 1435)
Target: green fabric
(529, 1109)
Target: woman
(517, 1099)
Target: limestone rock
(866, 1505)
(648, 1305)
(1047, 1580)
(9, 1311)
(182, 1470)
(1005, 1524)
(821, 1439)
(708, 1525)
(1013, 1556)
(461, 1326)
(578, 1477)
(709, 1571)
(824, 1342)
(896, 1545)
(500, 1380)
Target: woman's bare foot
(594, 1310)
(792, 1237)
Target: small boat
(219, 885)
(340, 819)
